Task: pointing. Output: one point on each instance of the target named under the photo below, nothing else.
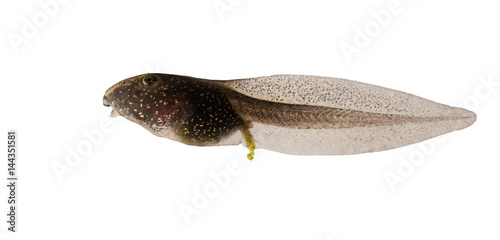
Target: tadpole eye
(148, 79)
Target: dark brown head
(149, 99)
(186, 109)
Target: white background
(131, 185)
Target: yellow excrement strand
(249, 141)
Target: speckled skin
(189, 110)
(341, 94)
(293, 114)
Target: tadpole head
(147, 99)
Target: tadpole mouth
(106, 102)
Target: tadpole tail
(309, 115)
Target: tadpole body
(292, 114)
